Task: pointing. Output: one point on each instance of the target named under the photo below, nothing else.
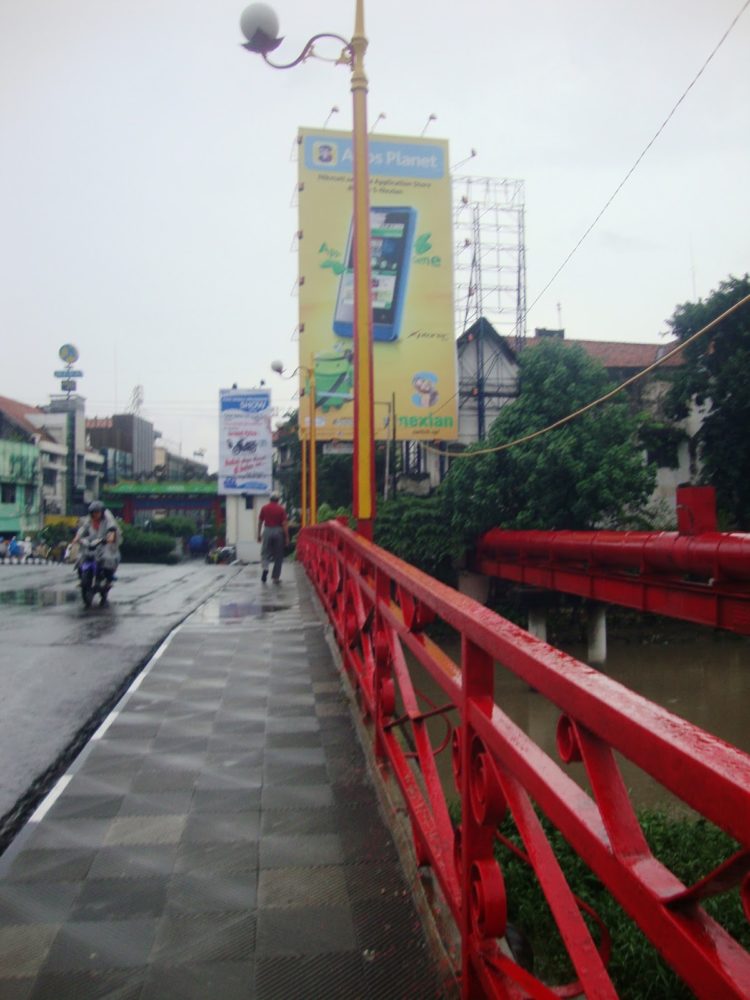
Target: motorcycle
(95, 579)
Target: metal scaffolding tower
(490, 257)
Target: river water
(698, 674)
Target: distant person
(273, 529)
(15, 549)
(197, 545)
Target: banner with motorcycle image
(411, 240)
(245, 442)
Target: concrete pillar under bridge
(596, 632)
(476, 585)
(538, 603)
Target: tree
(287, 472)
(587, 473)
(417, 531)
(334, 472)
(715, 374)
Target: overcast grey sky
(146, 177)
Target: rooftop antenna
(334, 111)
(466, 159)
(559, 316)
(432, 118)
(380, 118)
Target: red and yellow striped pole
(364, 423)
(313, 444)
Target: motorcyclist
(101, 526)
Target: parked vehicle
(222, 554)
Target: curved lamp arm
(307, 51)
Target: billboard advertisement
(245, 443)
(411, 240)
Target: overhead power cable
(602, 399)
(646, 148)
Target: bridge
(696, 574)
(220, 835)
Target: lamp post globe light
(260, 26)
(311, 516)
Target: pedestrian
(273, 529)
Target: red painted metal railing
(379, 608)
(701, 578)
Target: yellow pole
(313, 450)
(303, 446)
(364, 448)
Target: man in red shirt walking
(273, 529)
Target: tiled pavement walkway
(219, 837)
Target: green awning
(156, 489)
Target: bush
(688, 847)
(327, 513)
(177, 526)
(145, 546)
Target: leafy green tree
(585, 474)
(288, 474)
(715, 374)
(335, 480)
(417, 530)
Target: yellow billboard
(411, 239)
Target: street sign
(68, 353)
(68, 385)
(68, 373)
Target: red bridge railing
(697, 574)
(703, 579)
(379, 608)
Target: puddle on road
(236, 610)
(34, 597)
(92, 626)
(224, 612)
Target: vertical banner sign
(411, 240)
(245, 445)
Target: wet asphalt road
(62, 666)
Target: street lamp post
(260, 27)
(311, 437)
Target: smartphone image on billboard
(391, 239)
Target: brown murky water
(699, 675)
